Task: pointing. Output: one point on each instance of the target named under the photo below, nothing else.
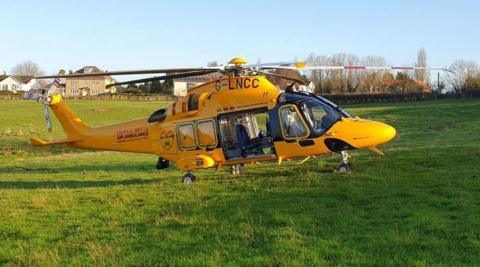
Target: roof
(23, 78)
(18, 78)
(91, 69)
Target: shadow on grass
(93, 167)
(75, 184)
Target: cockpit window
(319, 116)
(342, 111)
(293, 125)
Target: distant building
(87, 86)
(182, 85)
(16, 84)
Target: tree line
(463, 78)
(365, 81)
(155, 87)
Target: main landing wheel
(237, 169)
(188, 178)
(344, 167)
(162, 164)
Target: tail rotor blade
(47, 118)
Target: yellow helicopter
(238, 118)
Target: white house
(11, 83)
(20, 83)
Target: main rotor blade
(302, 82)
(129, 72)
(351, 68)
(280, 64)
(165, 77)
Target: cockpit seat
(248, 145)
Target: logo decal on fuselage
(132, 134)
(166, 139)
(237, 83)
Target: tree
(27, 68)
(462, 72)
(319, 77)
(156, 87)
(372, 79)
(403, 76)
(422, 75)
(353, 78)
(167, 86)
(212, 64)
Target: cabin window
(206, 134)
(193, 102)
(186, 136)
(292, 123)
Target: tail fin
(74, 128)
(72, 125)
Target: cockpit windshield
(319, 116)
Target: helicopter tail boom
(73, 126)
(131, 136)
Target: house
(182, 85)
(15, 84)
(86, 86)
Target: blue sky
(124, 34)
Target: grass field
(417, 206)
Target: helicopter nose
(383, 133)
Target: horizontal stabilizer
(39, 142)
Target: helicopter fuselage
(231, 121)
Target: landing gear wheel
(162, 164)
(237, 169)
(188, 178)
(344, 167)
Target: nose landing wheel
(345, 166)
(237, 169)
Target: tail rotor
(46, 113)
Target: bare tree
(27, 68)
(353, 78)
(422, 75)
(461, 72)
(337, 78)
(371, 79)
(319, 77)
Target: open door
(246, 134)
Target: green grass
(419, 205)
